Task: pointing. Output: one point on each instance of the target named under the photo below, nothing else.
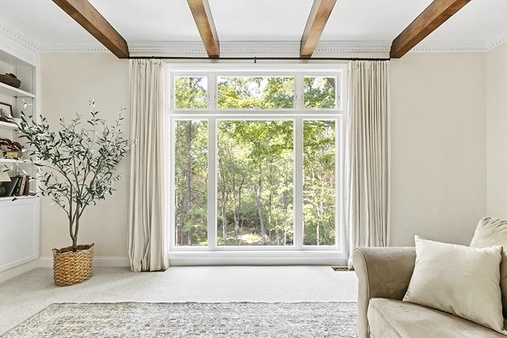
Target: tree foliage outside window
(319, 92)
(191, 177)
(191, 92)
(255, 92)
(319, 210)
(255, 183)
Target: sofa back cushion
(490, 232)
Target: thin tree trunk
(224, 218)
(224, 206)
(258, 191)
(242, 219)
(235, 209)
(316, 207)
(76, 228)
(179, 228)
(286, 205)
(270, 198)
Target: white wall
(438, 160)
(496, 109)
(438, 145)
(68, 82)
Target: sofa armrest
(381, 273)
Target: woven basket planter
(73, 267)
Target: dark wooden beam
(430, 19)
(87, 16)
(204, 21)
(319, 14)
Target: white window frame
(254, 255)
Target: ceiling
(168, 25)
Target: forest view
(255, 164)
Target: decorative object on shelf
(4, 177)
(11, 149)
(81, 163)
(16, 186)
(6, 112)
(13, 155)
(10, 79)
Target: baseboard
(101, 261)
(18, 270)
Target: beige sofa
(384, 275)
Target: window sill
(180, 258)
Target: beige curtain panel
(367, 155)
(148, 234)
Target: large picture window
(256, 159)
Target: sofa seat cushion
(393, 318)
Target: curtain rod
(255, 59)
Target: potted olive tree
(76, 167)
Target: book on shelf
(18, 186)
(26, 192)
(20, 189)
(9, 188)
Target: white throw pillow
(459, 280)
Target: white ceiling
(354, 24)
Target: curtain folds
(367, 155)
(147, 232)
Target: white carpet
(28, 294)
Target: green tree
(191, 182)
(256, 92)
(319, 92)
(191, 92)
(319, 177)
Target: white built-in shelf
(11, 198)
(11, 91)
(8, 125)
(13, 161)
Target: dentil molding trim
(290, 49)
(252, 48)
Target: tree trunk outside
(224, 218)
(258, 191)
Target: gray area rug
(70, 320)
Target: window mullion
(212, 91)
(339, 184)
(298, 183)
(172, 185)
(299, 91)
(212, 183)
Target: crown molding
(497, 42)
(176, 48)
(78, 47)
(244, 48)
(274, 48)
(18, 45)
(450, 47)
(15, 35)
(256, 48)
